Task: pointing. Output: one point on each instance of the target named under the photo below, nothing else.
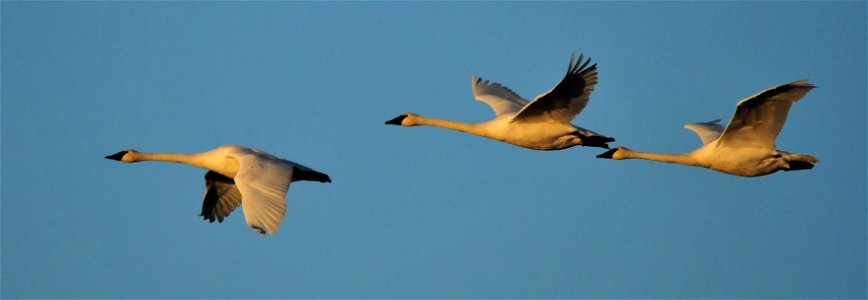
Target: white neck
(682, 159)
(190, 159)
(457, 126)
(226, 166)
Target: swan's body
(746, 147)
(255, 180)
(541, 124)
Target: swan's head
(127, 156)
(407, 119)
(617, 154)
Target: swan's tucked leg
(258, 229)
(798, 161)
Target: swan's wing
(707, 131)
(501, 99)
(758, 119)
(263, 181)
(221, 197)
(563, 102)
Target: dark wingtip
(397, 120)
(209, 218)
(117, 156)
(608, 154)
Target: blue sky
(425, 212)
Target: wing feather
(563, 102)
(759, 118)
(221, 197)
(501, 99)
(263, 182)
(707, 131)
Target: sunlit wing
(221, 197)
(263, 185)
(501, 99)
(707, 131)
(758, 119)
(563, 102)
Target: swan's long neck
(457, 126)
(683, 159)
(219, 160)
(216, 162)
(195, 160)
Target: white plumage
(746, 147)
(541, 124)
(255, 180)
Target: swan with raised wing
(746, 147)
(541, 124)
(239, 176)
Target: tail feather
(596, 141)
(310, 175)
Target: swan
(253, 179)
(541, 124)
(746, 147)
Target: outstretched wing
(501, 99)
(263, 182)
(707, 131)
(221, 197)
(758, 119)
(563, 102)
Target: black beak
(608, 154)
(117, 156)
(397, 120)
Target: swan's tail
(310, 175)
(798, 161)
(596, 141)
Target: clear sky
(425, 212)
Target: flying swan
(747, 146)
(255, 180)
(541, 124)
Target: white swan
(237, 175)
(542, 124)
(747, 146)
